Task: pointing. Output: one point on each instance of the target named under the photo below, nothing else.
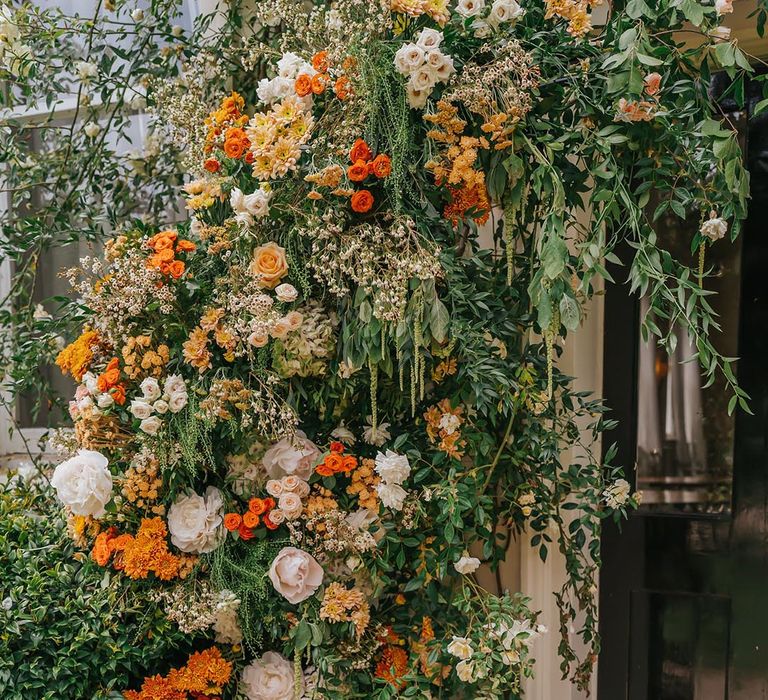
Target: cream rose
(258, 339)
(269, 264)
(151, 425)
(467, 565)
(292, 455)
(84, 483)
(391, 495)
(392, 467)
(176, 402)
(460, 647)
(141, 409)
(286, 292)
(280, 329)
(290, 504)
(150, 388)
(294, 319)
(295, 574)
(195, 521)
(274, 488)
(409, 58)
(270, 677)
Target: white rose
(724, 6)
(140, 409)
(274, 488)
(460, 647)
(505, 11)
(150, 388)
(265, 91)
(84, 483)
(151, 425)
(227, 627)
(137, 15)
(417, 99)
(291, 483)
(270, 677)
(286, 292)
(392, 495)
(174, 384)
(714, 228)
(467, 565)
(361, 519)
(161, 406)
(409, 58)
(177, 401)
(290, 504)
(104, 400)
(423, 79)
(465, 670)
(302, 490)
(276, 516)
(470, 8)
(250, 206)
(617, 494)
(292, 455)
(195, 521)
(429, 39)
(446, 69)
(91, 382)
(295, 574)
(392, 467)
(290, 65)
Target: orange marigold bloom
(358, 172)
(212, 165)
(303, 85)
(257, 506)
(232, 521)
(342, 88)
(77, 356)
(320, 62)
(250, 519)
(176, 269)
(101, 551)
(362, 201)
(360, 151)
(392, 665)
(381, 166)
(319, 83)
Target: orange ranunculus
(101, 551)
(212, 165)
(303, 85)
(269, 524)
(245, 532)
(342, 88)
(362, 201)
(381, 166)
(176, 269)
(319, 83)
(358, 172)
(232, 521)
(257, 506)
(234, 148)
(118, 394)
(250, 520)
(320, 62)
(185, 246)
(360, 151)
(349, 463)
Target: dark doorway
(684, 586)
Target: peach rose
(281, 328)
(295, 574)
(258, 339)
(269, 264)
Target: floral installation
(306, 414)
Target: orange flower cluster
(77, 356)
(228, 116)
(165, 246)
(317, 84)
(204, 675)
(141, 555)
(311, 85)
(245, 524)
(109, 382)
(444, 424)
(363, 485)
(364, 165)
(335, 462)
(236, 144)
(141, 359)
(392, 664)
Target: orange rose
(185, 246)
(232, 521)
(165, 255)
(362, 201)
(358, 172)
(322, 470)
(320, 62)
(212, 165)
(245, 533)
(236, 134)
(360, 151)
(176, 269)
(234, 148)
(249, 157)
(269, 503)
(334, 462)
(269, 264)
(349, 463)
(269, 524)
(337, 447)
(381, 166)
(342, 88)
(303, 85)
(250, 520)
(257, 506)
(319, 83)
(118, 394)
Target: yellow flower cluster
(141, 360)
(142, 485)
(77, 357)
(341, 604)
(276, 138)
(436, 9)
(203, 193)
(575, 11)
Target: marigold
(303, 85)
(358, 172)
(360, 151)
(232, 521)
(392, 665)
(381, 166)
(362, 201)
(76, 358)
